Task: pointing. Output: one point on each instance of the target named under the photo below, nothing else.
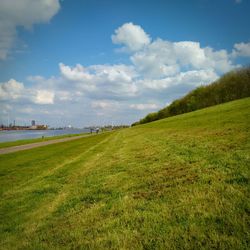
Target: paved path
(37, 144)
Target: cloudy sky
(96, 62)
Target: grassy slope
(231, 86)
(181, 182)
(28, 141)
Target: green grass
(28, 141)
(178, 183)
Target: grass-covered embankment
(231, 86)
(178, 183)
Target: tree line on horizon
(231, 86)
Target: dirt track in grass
(37, 144)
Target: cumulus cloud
(133, 37)
(241, 49)
(104, 104)
(193, 78)
(11, 90)
(164, 58)
(64, 95)
(219, 60)
(189, 53)
(156, 60)
(102, 80)
(24, 13)
(78, 73)
(144, 106)
(44, 97)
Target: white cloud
(218, 60)
(102, 80)
(189, 53)
(156, 60)
(193, 78)
(132, 36)
(164, 58)
(144, 106)
(64, 95)
(44, 97)
(11, 90)
(24, 13)
(241, 49)
(104, 104)
(78, 73)
(114, 73)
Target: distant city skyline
(87, 62)
(11, 123)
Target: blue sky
(86, 62)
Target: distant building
(35, 126)
(39, 127)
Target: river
(14, 135)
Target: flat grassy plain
(177, 183)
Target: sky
(100, 62)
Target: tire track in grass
(26, 186)
(47, 205)
(88, 165)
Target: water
(14, 135)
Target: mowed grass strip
(178, 183)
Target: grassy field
(28, 141)
(178, 183)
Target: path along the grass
(37, 144)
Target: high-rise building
(33, 123)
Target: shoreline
(41, 138)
